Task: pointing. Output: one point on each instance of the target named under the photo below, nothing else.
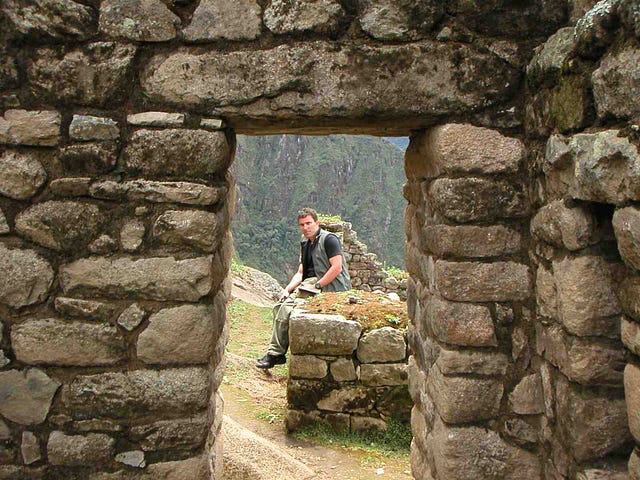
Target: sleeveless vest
(321, 264)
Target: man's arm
(333, 272)
(293, 283)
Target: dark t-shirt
(331, 247)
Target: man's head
(309, 223)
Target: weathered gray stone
(79, 450)
(632, 398)
(89, 158)
(138, 20)
(87, 127)
(50, 19)
(97, 424)
(134, 458)
(630, 15)
(5, 432)
(21, 175)
(58, 342)
(483, 282)
(158, 192)
(629, 295)
(4, 225)
(8, 70)
(60, 225)
(181, 434)
(178, 335)
(211, 123)
(323, 334)
(30, 127)
(138, 393)
(377, 375)
(91, 75)
(150, 278)
(452, 362)
(156, 119)
(546, 293)
(460, 323)
(634, 465)
(91, 309)
(471, 241)
(30, 448)
(26, 396)
(320, 16)
(466, 200)
(131, 317)
(25, 277)
(349, 399)
(626, 224)
(177, 153)
(132, 234)
(526, 398)
(520, 431)
(367, 424)
(224, 19)
(587, 300)
(195, 228)
(616, 84)
(307, 366)
(382, 345)
(572, 228)
(593, 423)
(595, 30)
(551, 57)
(457, 148)
(343, 370)
(609, 471)
(630, 335)
(103, 244)
(399, 20)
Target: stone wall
(344, 378)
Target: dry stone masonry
(117, 129)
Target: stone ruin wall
(114, 243)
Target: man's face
(308, 226)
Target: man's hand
(284, 294)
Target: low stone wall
(347, 379)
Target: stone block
(634, 465)
(564, 227)
(455, 149)
(630, 335)
(615, 84)
(546, 293)
(5, 433)
(483, 282)
(138, 393)
(471, 241)
(4, 225)
(460, 323)
(382, 345)
(158, 192)
(323, 334)
(630, 16)
(376, 375)
(36, 128)
(30, 448)
(550, 58)
(632, 398)
(587, 300)
(463, 399)
(593, 31)
(195, 467)
(60, 225)
(163, 278)
(297, 419)
(192, 228)
(470, 199)
(307, 366)
(389, 20)
(527, 397)
(593, 423)
(132, 234)
(177, 153)
(322, 16)
(134, 458)
(367, 424)
(57, 342)
(629, 295)
(90, 309)
(156, 119)
(349, 399)
(21, 175)
(343, 370)
(178, 335)
(26, 396)
(131, 317)
(183, 434)
(452, 362)
(25, 277)
(224, 20)
(89, 158)
(93, 449)
(626, 225)
(521, 432)
(138, 20)
(87, 127)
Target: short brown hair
(306, 211)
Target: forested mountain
(357, 177)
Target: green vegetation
(270, 417)
(396, 273)
(328, 218)
(237, 267)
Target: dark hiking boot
(270, 360)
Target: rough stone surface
(546, 293)
(451, 396)
(629, 295)
(21, 175)
(177, 153)
(626, 224)
(526, 398)
(138, 20)
(452, 362)
(399, 20)
(382, 345)
(178, 335)
(132, 234)
(616, 84)
(150, 278)
(195, 228)
(93, 75)
(343, 370)
(25, 277)
(179, 434)
(466, 200)
(462, 148)
(323, 334)
(90, 309)
(320, 16)
(594, 32)
(26, 396)
(551, 57)
(134, 458)
(4, 225)
(60, 225)
(30, 448)
(377, 375)
(156, 119)
(79, 450)
(131, 317)
(30, 127)
(87, 127)
(224, 20)
(630, 335)
(483, 282)
(307, 366)
(572, 228)
(461, 324)
(587, 300)
(158, 192)
(351, 399)
(138, 393)
(471, 241)
(632, 398)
